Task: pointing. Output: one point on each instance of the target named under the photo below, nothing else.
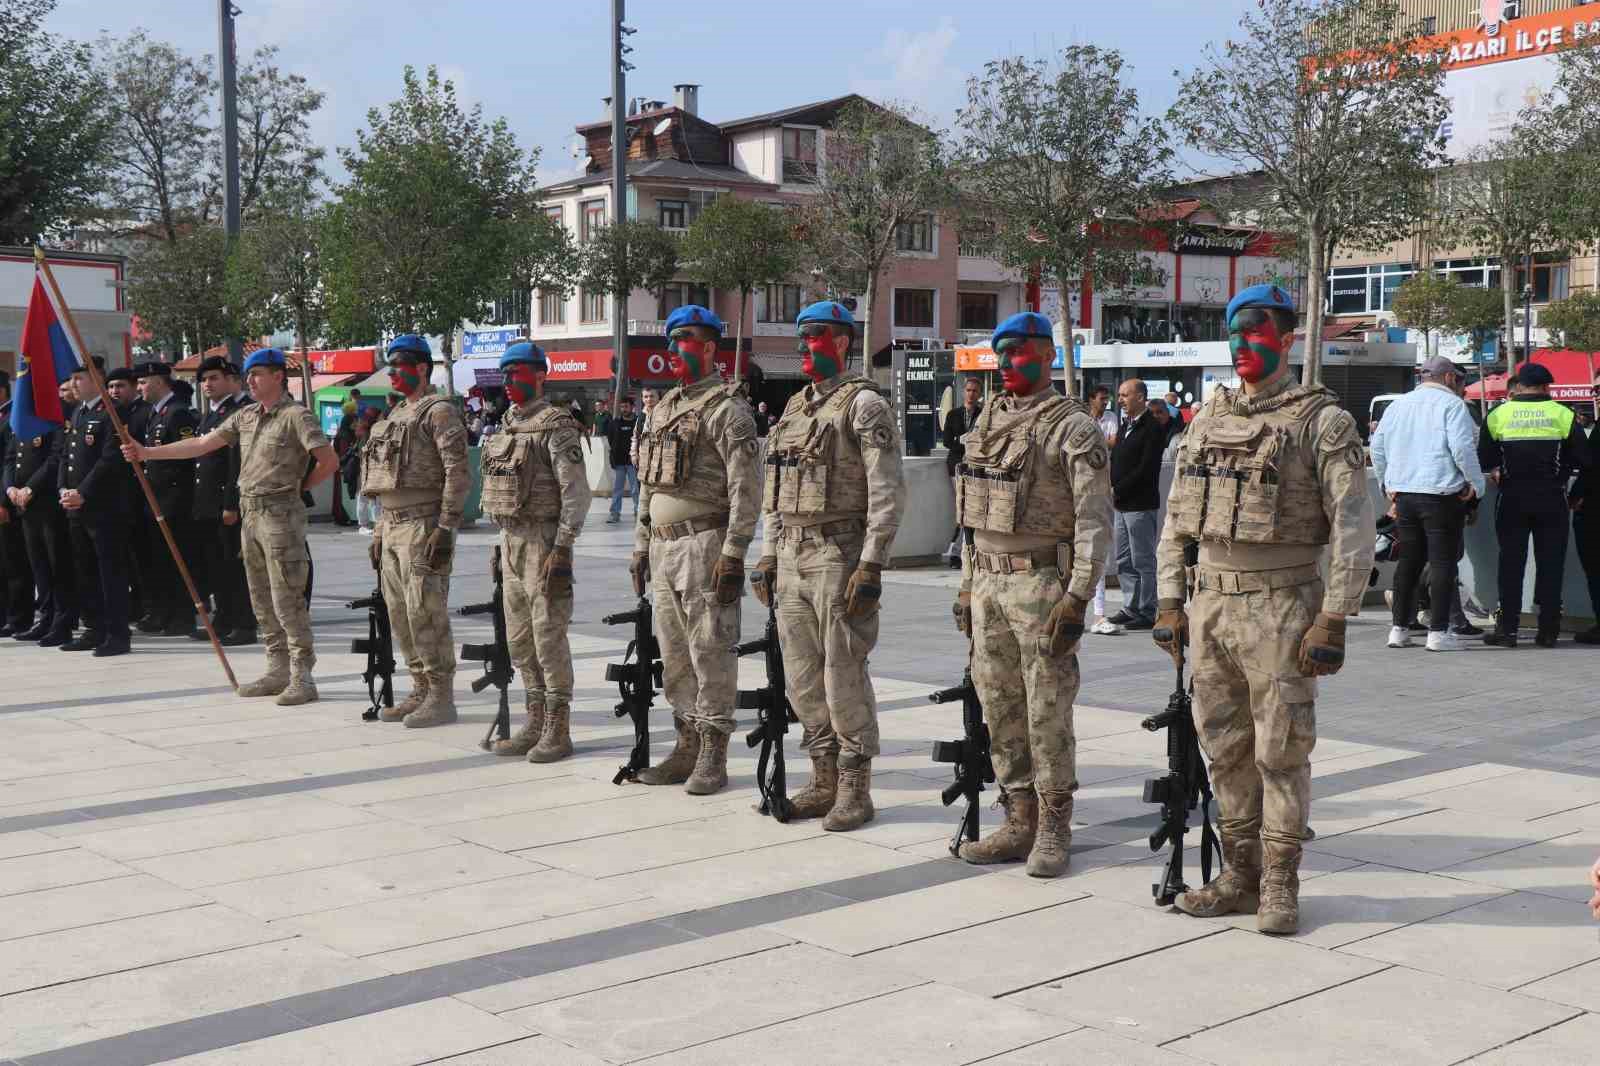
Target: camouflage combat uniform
(536, 489)
(1035, 490)
(1262, 483)
(415, 463)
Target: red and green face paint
(405, 377)
(1023, 368)
(821, 359)
(521, 384)
(1256, 344)
(689, 357)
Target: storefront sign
(488, 341)
(1208, 242)
(344, 361)
(650, 364)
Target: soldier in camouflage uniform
(536, 489)
(698, 504)
(833, 497)
(415, 463)
(1267, 476)
(1035, 491)
(276, 437)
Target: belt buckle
(1229, 581)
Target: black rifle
(638, 676)
(378, 647)
(773, 715)
(496, 657)
(1184, 787)
(970, 755)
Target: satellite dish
(661, 127)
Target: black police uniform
(219, 551)
(143, 538)
(32, 463)
(1586, 534)
(16, 574)
(168, 608)
(91, 462)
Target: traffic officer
(16, 573)
(833, 497)
(276, 438)
(216, 512)
(28, 482)
(1268, 475)
(169, 418)
(699, 499)
(96, 490)
(1531, 446)
(415, 463)
(536, 489)
(1038, 550)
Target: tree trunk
(1317, 269)
(305, 362)
(1508, 277)
(447, 349)
(738, 334)
(864, 324)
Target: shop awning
(320, 381)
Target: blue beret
(409, 342)
(1261, 296)
(1535, 376)
(525, 353)
(265, 357)
(1024, 324)
(830, 311)
(694, 315)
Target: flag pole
(138, 468)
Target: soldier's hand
(727, 579)
(764, 579)
(863, 591)
(375, 551)
(962, 609)
(438, 548)
(230, 518)
(1171, 631)
(640, 569)
(1064, 627)
(71, 499)
(557, 574)
(133, 452)
(1322, 648)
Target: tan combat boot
(397, 713)
(522, 741)
(274, 681)
(1054, 836)
(1013, 840)
(438, 706)
(711, 766)
(1279, 914)
(676, 767)
(816, 799)
(301, 689)
(555, 743)
(1237, 889)
(852, 806)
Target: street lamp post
(230, 147)
(619, 188)
(1527, 307)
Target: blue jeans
(1136, 562)
(621, 476)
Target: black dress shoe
(111, 648)
(55, 638)
(151, 624)
(176, 628)
(1122, 618)
(88, 640)
(199, 633)
(1546, 638)
(1500, 640)
(36, 632)
(1138, 624)
(1466, 629)
(6, 629)
(237, 638)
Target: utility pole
(230, 149)
(619, 187)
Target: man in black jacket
(97, 491)
(1136, 494)
(619, 441)
(956, 425)
(29, 486)
(16, 575)
(216, 513)
(168, 609)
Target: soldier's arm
(1171, 580)
(315, 443)
(1342, 474)
(1086, 462)
(736, 443)
(572, 474)
(193, 448)
(450, 436)
(873, 425)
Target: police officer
(16, 573)
(96, 490)
(28, 484)
(169, 611)
(536, 489)
(1531, 446)
(216, 512)
(833, 497)
(1038, 550)
(122, 387)
(276, 437)
(699, 499)
(1267, 476)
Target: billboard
(1485, 100)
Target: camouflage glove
(375, 550)
(764, 579)
(438, 548)
(557, 575)
(727, 579)
(1171, 632)
(640, 570)
(862, 593)
(1322, 649)
(1064, 627)
(962, 609)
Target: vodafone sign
(650, 364)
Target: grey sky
(543, 65)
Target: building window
(915, 236)
(913, 308)
(552, 309)
(976, 241)
(778, 303)
(675, 294)
(799, 156)
(594, 306)
(672, 214)
(1199, 324)
(556, 214)
(510, 309)
(1366, 290)
(1549, 279)
(593, 214)
(979, 310)
(1136, 323)
(1428, 25)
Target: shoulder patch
(1338, 431)
(575, 455)
(1097, 455)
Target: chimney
(606, 100)
(633, 107)
(687, 98)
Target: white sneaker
(1443, 640)
(1106, 628)
(1400, 637)
(365, 531)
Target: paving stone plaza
(192, 877)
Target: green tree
(1340, 116)
(277, 157)
(1476, 311)
(1576, 321)
(178, 289)
(54, 125)
(544, 258)
(275, 275)
(628, 255)
(1427, 302)
(736, 245)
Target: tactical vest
(1252, 479)
(400, 453)
(671, 456)
(519, 481)
(1001, 485)
(813, 465)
